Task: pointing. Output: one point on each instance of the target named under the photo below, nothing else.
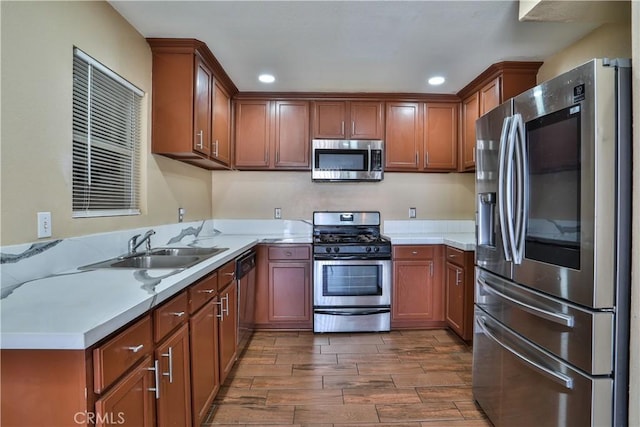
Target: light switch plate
(44, 224)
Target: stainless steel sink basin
(159, 258)
(188, 251)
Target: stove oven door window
(354, 283)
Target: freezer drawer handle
(561, 319)
(552, 375)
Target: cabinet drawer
(414, 252)
(116, 356)
(455, 256)
(202, 292)
(168, 316)
(289, 252)
(226, 274)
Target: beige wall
(37, 42)
(256, 194)
(607, 41)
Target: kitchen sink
(159, 258)
(188, 251)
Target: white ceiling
(355, 46)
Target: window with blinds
(106, 141)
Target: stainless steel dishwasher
(246, 277)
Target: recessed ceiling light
(266, 78)
(435, 81)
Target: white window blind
(106, 141)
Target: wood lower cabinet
(272, 134)
(132, 401)
(203, 340)
(494, 86)
(228, 328)
(283, 287)
(417, 300)
(459, 286)
(421, 136)
(348, 120)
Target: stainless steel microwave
(347, 160)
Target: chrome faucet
(134, 244)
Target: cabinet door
(441, 136)
(221, 149)
(454, 299)
(366, 120)
(228, 325)
(470, 113)
(413, 291)
(253, 134)
(174, 403)
(292, 134)
(202, 109)
(289, 292)
(130, 402)
(205, 376)
(490, 96)
(329, 120)
(403, 135)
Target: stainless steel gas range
(351, 273)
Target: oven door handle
(354, 312)
(351, 258)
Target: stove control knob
(336, 249)
(328, 250)
(368, 249)
(376, 249)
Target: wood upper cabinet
(283, 287)
(421, 136)
(459, 286)
(441, 136)
(403, 135)
(418, 294)
(272, 134)
(348, 120)
(187, 100)
(494, 86)
(221, 126)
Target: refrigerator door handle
(561, 319)
(557, 377)
(506, 126)
(509, 178)
(522, 188)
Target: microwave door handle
(506, 125)
(369, 159)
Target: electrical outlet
(412, 212)
(44, 224)
(277, 213)
(181, 213)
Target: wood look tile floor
(399, 378)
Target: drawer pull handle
(414, 252)
(233, 273)
(289, 254)
(136, 348)
(451, 256)
(178, 313)
(206, 291)
(220, 310)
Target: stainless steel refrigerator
(553, 208)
